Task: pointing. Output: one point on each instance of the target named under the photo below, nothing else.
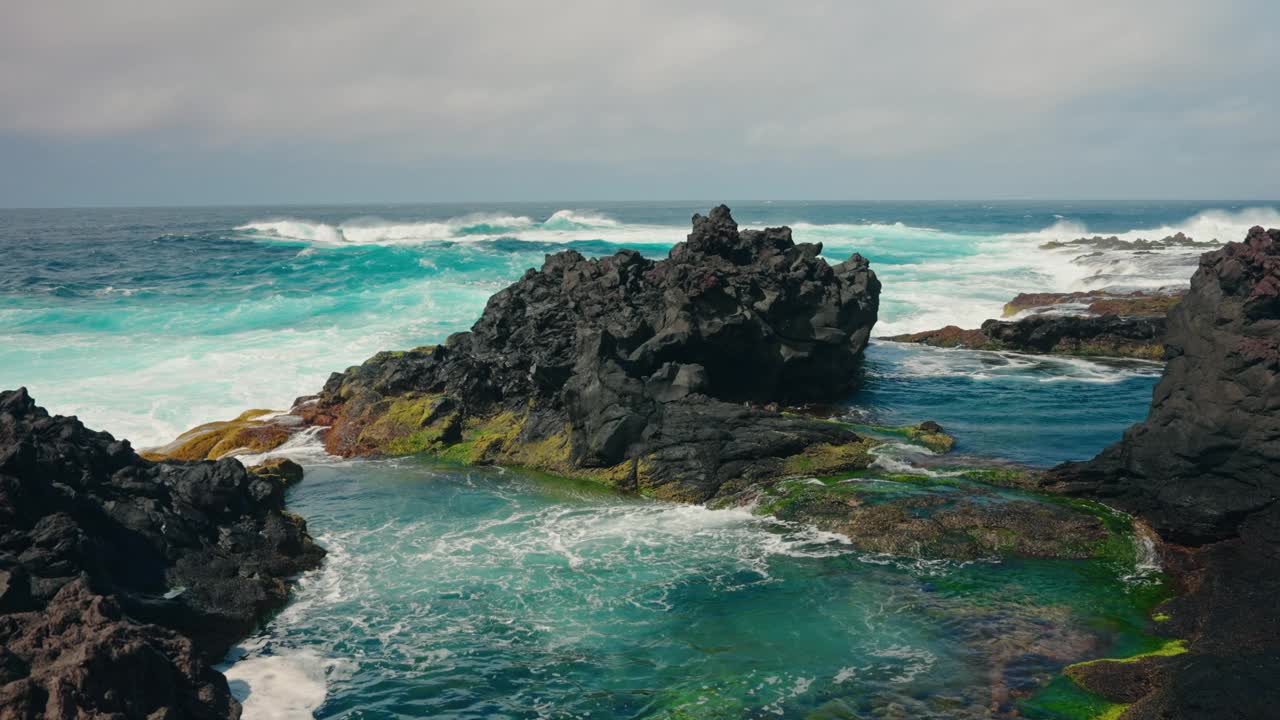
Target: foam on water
(289, 686)
(563, 226)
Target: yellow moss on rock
(497, 440)
(1168, 649)
(825, 459)
(410, 425)
(217, 439)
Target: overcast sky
(164, 102)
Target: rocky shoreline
(683, 379)
(1085, 324)
(1203, 470)
(678, 379)
(123, 581)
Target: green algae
(1062, 699)
(936, 441)
(826, 459)
(1010, 477)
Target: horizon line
(438, 203)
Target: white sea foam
(969, 288)
(290, 685)
(562, 226)
(930, 362)
(305, 446)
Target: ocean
(478, 593)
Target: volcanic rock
(1208, 454)
(1103, 336)
(122, 580)
(650, 375)
(1138, 303)
(1204, 471)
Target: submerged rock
(648, 375)
(1204, 471)
(952, 518)
(123, 580)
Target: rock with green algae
(283, 470)
(1201, 471)
(928, 434)
(653, 376)
(254, 431)
(926, 517)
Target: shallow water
(481, 593)
(470, 594)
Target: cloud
(640, 85)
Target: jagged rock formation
(650, 375)
(1204, 470)
(123, 580)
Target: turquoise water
(483, 594)
(453, 593)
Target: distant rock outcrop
(1204, 471)
(1138, 303)
(1104, 336)
(123, 580)
(659, 376)
(1112, 242)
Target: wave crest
(561, 227)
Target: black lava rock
(1208, 454)
(641, 360)
(122, 580)
(1204, 470)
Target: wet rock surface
(659, 376)
(924, 517)
(1204, 470)
(123, 580)
(1139, 303)
(1104, 336)
(1089, 323)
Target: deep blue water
(488, 594)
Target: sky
(156, 102)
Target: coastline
(402, 419)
